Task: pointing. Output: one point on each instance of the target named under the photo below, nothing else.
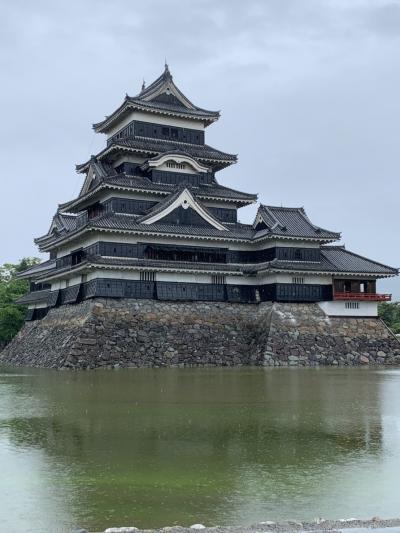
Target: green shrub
(11, 288)
(390, 314)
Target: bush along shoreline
(390, 314)
(12, 315)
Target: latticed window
(298, 281)
(352, 305)
(147, 276)
(218, 279)
(173, 164)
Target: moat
(156, 447)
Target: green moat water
(156, 447)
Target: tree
(11, 288)
(390, 314)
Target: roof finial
(143, 85)
(167, 73)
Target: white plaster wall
(38, 305)
(113, 274)
(240, 280)
(187, 170)
(186, 278)
(338, 308)
(160, 276)
(156, 119)
(58, 284)
(129, 158)
(287, 278)
(64, 283)
(277, 278)
(75, 280)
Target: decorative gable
(182, 201)
(176, 161)
(90, 177)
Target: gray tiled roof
(66, 221)
(346, 261)
(203, 191)
(144, 184)
(200, 151)
(291, 221)
(276, 264)
(150, 99)
(298, 227)
(130, 222)
(149, 95)
(146, 145)
(38, 269)
(334, 260)
(173, 107)
(61, 224)
(33, 297)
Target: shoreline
(290, 526)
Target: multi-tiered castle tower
(151, 221)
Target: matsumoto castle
(152, 221)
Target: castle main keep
(152, 223)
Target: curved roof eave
(131, 103)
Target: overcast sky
(309, 92)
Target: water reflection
(164, 446)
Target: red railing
(362, 296)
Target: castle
(152, 221)
(150, 266)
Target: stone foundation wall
(110, 332)
(301, 334)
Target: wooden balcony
(362, 296)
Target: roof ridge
(283, 208)
(235, 190)
(148, 103)
(60, 213)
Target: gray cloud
(308, 91)
(385, 20)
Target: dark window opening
(201, 255)
(159, 131)
(39, 286)
(95, 210)
(77, 257)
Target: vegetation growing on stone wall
(11, 288)
(390, 314)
